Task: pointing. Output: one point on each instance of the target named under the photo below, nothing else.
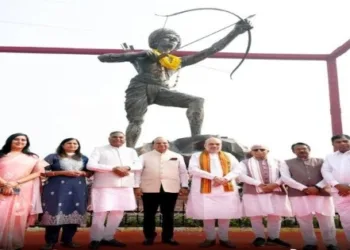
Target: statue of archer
(155, 67)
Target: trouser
(52, 233)
(99, 231)
(209, 229)
(342, 206)
(327, 228)
(151, 202)
(273, 226)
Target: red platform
(188, 240)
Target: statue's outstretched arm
(240, 28)
(123, 57)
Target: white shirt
(104, 159)
(336, 169)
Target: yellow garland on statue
(170, 61)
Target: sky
(277, 103)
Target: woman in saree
(20, 201)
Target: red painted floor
(188, 240)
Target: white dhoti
(266, 204)
(257, 204)
(209, 207)
(217, 204)
(272, 206)
(342, 206)
(305, 207)
(99, 231)
(214, 206)
(113, 199)
(111, 194)
(110, 204)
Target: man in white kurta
(221, 200)
(308, 196)
(112, 188)
(264, 196)
(336, 172)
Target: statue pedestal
(188, 145)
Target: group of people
(303, 187)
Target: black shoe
(278, 241)
(171, 242)
(310, 247)
(259, 242)
(94, 245)
(207, 243)
(112, 243)
(148, 242)
(70, 245)
(331, 247)
(48, 246)
(227, 244)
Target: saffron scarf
(169, 61)
(204, 161)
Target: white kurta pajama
(111, 195)
(218, 204)
(257, 204)
(336, 170)
(305, 207)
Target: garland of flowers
(169, 61)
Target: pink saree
(17, 212)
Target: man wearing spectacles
(264, 196)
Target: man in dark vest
(308, 195)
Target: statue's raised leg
(194, 105)
(136, 107)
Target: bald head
(213, 145)
(160, 144)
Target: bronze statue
(155, 67)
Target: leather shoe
(48, 246)
(259, 242)
(227, 244)
(310, 247)
(207, 243)
(148, 242)
(113, 243)
(332, 247)
(70, 245)
(171, 242)
(278, 241)
(94, 245)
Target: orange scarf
(204, 160)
